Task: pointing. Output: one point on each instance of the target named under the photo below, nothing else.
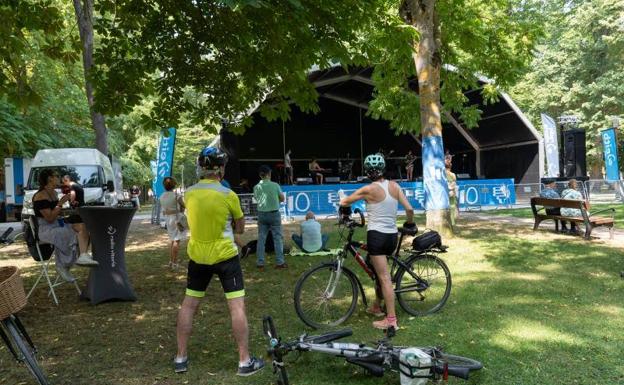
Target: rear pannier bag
(427, 240)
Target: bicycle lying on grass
(415, 365)
(326, 295)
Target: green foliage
(42, 102)
(579, 68)
(478, 38)
(229, 54)
(135, 142)
(29, 26)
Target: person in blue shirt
(311, 239)
(549, 192)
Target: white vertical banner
(551, 146)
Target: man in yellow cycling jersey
(211, 210)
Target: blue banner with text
(324, 199)
(609, 144)
(434, 173)
(164, 160)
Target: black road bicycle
(327, 294)
(415, 365)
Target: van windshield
(87, 176)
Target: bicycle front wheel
(325, 296)
(27, 353)
(425, 286)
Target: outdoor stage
(323, 199)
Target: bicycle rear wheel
(27, 352)
(325, 297)
(426, 285)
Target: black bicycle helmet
(211, 158)
(374, 166)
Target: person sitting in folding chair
(52, 228)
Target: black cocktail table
(108, 228)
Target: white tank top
(382, 215)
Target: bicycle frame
(374, 360)
(352, 247)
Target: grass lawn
(527, 213)
(534, 307)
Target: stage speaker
(229, 144)
(332, 179)
(574, 164)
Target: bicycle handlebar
(346, 219)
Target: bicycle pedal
(390, 332)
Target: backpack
(268, 245)
(46, 249)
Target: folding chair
(42, 253)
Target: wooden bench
(590, 221)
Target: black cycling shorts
(229, 272)
(378, 243)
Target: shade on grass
(534, 307)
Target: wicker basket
(12, 295)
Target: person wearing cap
(269, 195)
(214, 216)
(549, 192)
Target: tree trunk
(421, 15)
(84, 18)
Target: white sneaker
(86, 260)
(64, 273)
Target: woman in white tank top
(382, 202)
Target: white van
(87, 166)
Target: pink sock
(391, 319)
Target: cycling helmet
(211, 158)
(374, 166)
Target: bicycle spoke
(324, 296)
(424, 288)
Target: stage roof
(504, 145)
(502, 124)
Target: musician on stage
(316, 171)
(409, 164)
(288, 169)
(345, 168)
